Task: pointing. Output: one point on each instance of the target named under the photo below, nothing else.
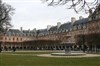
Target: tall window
(5, 38)
(13, 38)
(21, 39)
(1, 38)
(17, 39)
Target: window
(97, 26)
(5, 38)
(21, 39)
(79, 27)
(84, 26)
(13, 38)
(74, 28)
(97, 16)
(94, 17)
(1, 38)
(70, 29)
(17, 39)
(66, 30)
(9, 38)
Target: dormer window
(66, 30)
(84, 26)
(97, 16)
(17, 34)
(50, 32)
(94, 17)
(70, 29)
(97, 26)
(59, 31)
(63, 30)
(56, 32)
(31, 34)
(74, 28)
(24, 34)
(79, 26)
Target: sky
(31, 14)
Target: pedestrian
(0, 49)
(14, 49)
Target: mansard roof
(17, 32)
(65, 26)
(53, 28)
(25, 31)
(81, 21)
(14, 30)
(42, 32)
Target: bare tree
(77, 5)
(6, 11)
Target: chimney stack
(34, 30)
(48, 27)
(58, 24)
(80, 17)
(21, 28)
(29, 30)
(73, 19)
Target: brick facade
(57, 37)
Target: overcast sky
(31, 14)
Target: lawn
(30, 59)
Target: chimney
(58, 24)
(73, 19)
(48, 27)
(21, 28)
(80, 17)
(34, 30)
(29, 30)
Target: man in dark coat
(0, 49)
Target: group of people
(13, 49)
(83, 48)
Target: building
(68, 35)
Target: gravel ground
(87, 55)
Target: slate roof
(43, 32)
(82, 21)
(14, 30)
(17, 32)
(53, 28)
(65, 26)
